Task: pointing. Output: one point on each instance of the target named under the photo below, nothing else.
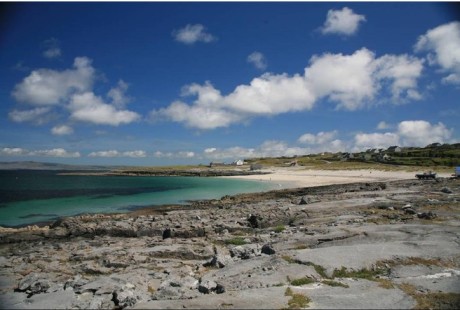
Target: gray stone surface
(123, 261)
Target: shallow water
(30, 196)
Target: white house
(238, 162)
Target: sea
(37, 196)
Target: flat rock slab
(263, 298)
(326, 297)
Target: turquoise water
(28, 197)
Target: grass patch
(432, 300)
(301, 281)
(297, 301)
(279, 228)
(289, 259)
(360, 274)
(408, 261)
(385, 283)
(319, 270)
(335, 283)
(235, 241)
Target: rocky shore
(361, 245)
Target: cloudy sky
(177, 83)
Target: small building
(386, 157)
(238, 162)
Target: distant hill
(33, 165)
(433, 155)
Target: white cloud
(39, 115)
(61, 130)
(258, 60)
(210, 150)
(51, 87)
(115, 153)
(383, 125)
(87, 107)
(191, 34)
(270, 148)
(422, 133)
(15, 151)
(52, 49)
(180, 154)
(352, 81)
(443, 45)
(319, 138)
(344, 22)
(118, 94)
(375, 140)
(57, 152)
(403, 71)
(408, 133)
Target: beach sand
(293, 177)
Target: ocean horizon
(29, 197)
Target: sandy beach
(294, 177)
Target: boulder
(219, 261)
(167, 233)
(34, 283)
(254, 221)
(305, 200)
(446, 190)
(268, 249)
(244, 251)
(207, 286)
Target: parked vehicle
(426, 175)
(457, 173)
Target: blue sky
(186, 83)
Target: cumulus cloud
(375, 140)
(62, 130)
(71, 89)
(191, 34)
(258, 60)
(421, 133)
(351, 81)
(115, 153)
(87, 107)
(39, 115)
(57, 152)
(408, 133)
(50, 87)
(443, 45)
(344, 22)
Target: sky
(163, 83)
